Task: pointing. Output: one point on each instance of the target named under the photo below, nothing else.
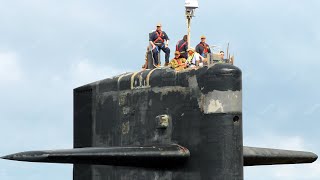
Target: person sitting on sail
(221, 53)
(159, 40)
(178, 63)
(223, 60)
(182, 47)
(194, 58)
(203, 48)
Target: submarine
(162, 124)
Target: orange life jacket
(180, 48)
(179, 61)
(205, 47)
(159, 37)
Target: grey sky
(48, 47)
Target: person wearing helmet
(159, 40)
(203, 48)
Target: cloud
(284, 172)
(269, 139)
(9, 67)
(298, 172)
(79, 11)
(275, 44)
(315, 108)
(84, 72)
(4, 174)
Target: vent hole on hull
(236, 119)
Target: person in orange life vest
(203, 48)
(182, 47)
(178, 63)
(159, 41)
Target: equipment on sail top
(190, 5)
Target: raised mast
(190, 6)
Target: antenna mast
(190, 5)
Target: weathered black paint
(262, 156)
(124, 114)
(157, 156)
(118, 120)
(82, 112)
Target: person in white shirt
(194, 58)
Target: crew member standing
(203, 48)
(159, 41)
(182, 47)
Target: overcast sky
(49, 47)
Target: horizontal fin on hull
(253, 156)
(139, 156)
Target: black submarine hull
(204, 115)
(162, 124)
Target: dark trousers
(156, 51)
(184, 55)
